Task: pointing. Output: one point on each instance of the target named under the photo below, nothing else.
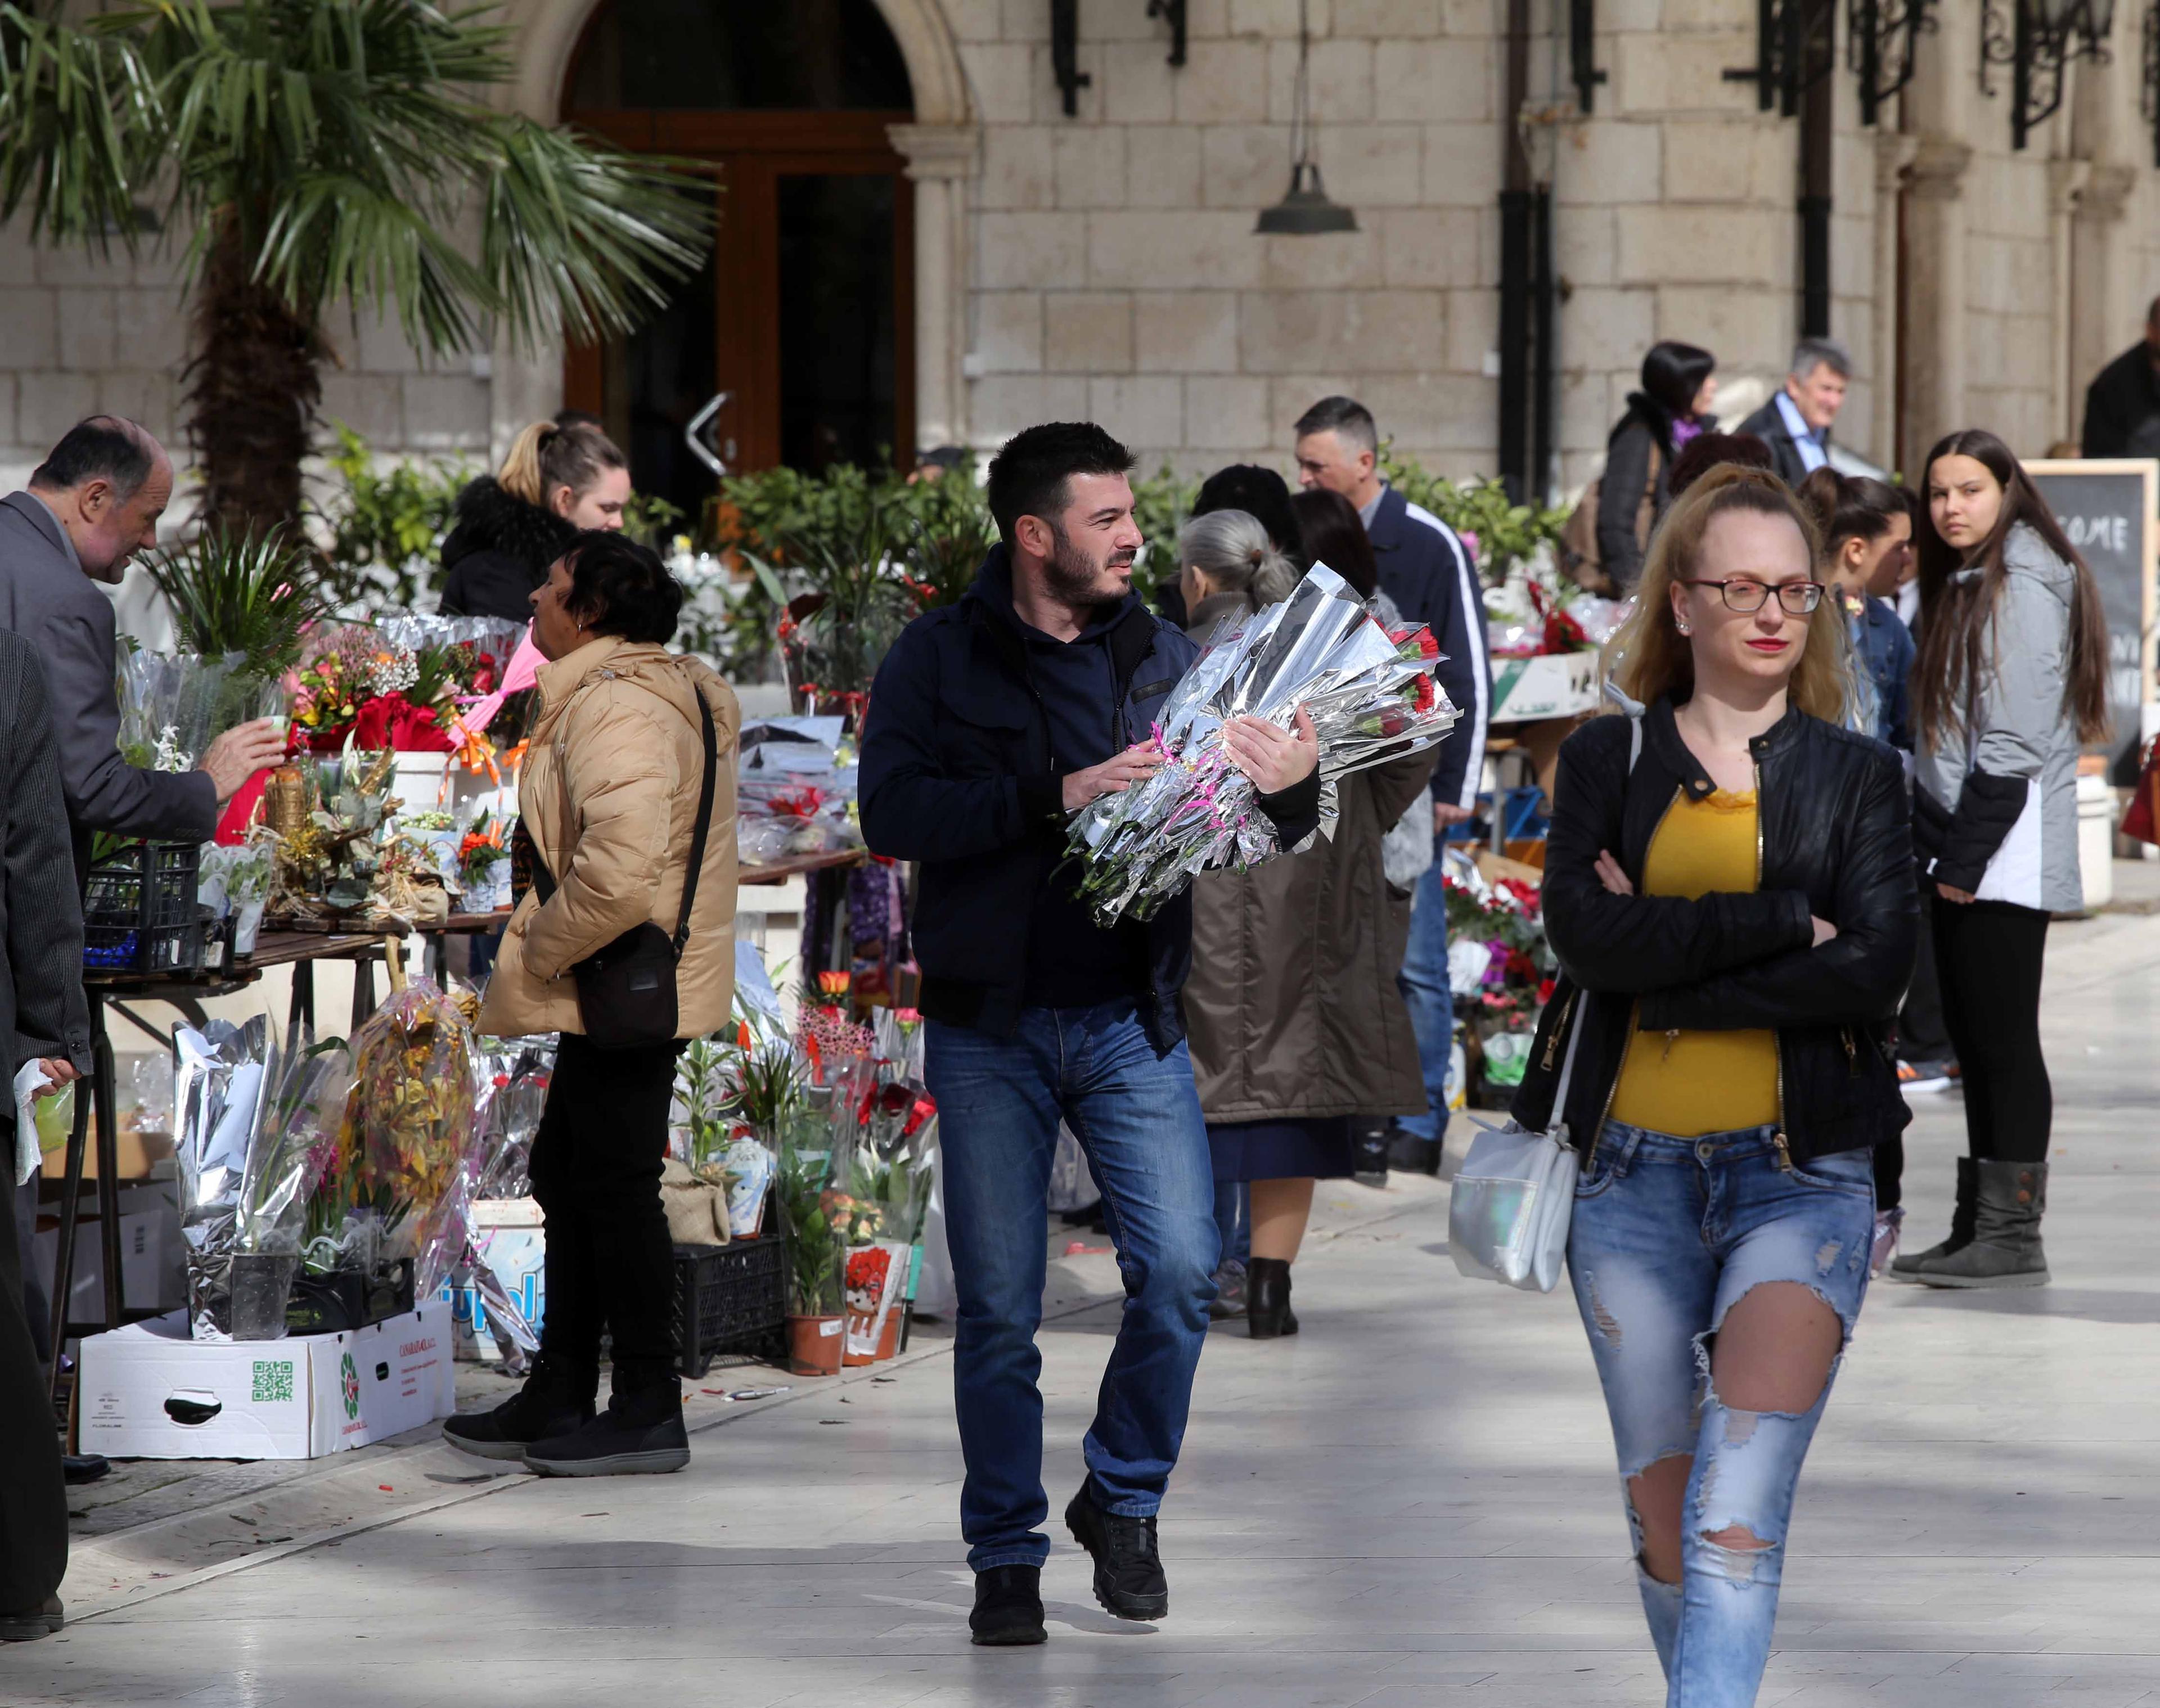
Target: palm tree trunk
(254, 387)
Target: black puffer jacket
(1836, 840)
(498, 553)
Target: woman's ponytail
(521, 476)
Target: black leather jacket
(1836, 840)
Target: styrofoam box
(149, 1392)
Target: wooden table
(298, 949)
(802, 865)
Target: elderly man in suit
(1795, 424)
(91, 505)
(43, 1016)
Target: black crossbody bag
(626, 990)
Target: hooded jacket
(959, 772)
(610, 798)
(498, 552)
(1292, 1003)
(1997, 812)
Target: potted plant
(816, 1328)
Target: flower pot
(815, 1343)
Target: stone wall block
(445, 412)
(1393, 19)
(151, 398)
(1226, 411)
(1349, 331)
(1030, 249)
(1291, 395)
(1664, 74)
(77, 265)
(1434, 412)
(1602, 163)
(1588, 241)
(1277, 18)
(19, 259)
(1244, 166)
(1714, 160)
(1088, 332)
(1024, 21)
(1339, 260)
(1748, 329)
(1341, 82)
(1135, 251)
(1372, 166)
(976, 20)
(1146, 411)
(86, 342)
(382, 347)
(1049, 100)
(1009, 331)
(372, 405)
(1162, 166)
(1430, 247)
(1604, 328)
(1186, 332)
(150, 327)
(1586, 420)
(1090, 164)
(30, 328)
(47, 404)
(1018, 168)
(1739, 245)
(1115, 23)
(1223, 83)
(8, 430)
(1462, 165)
(1001, 78)
(1473, 330)
(1139, 84)
(1001, 404)
(1433, 81)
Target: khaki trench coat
(610, 797)
(1292, 1007)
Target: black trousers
(595, 1170)
(1988, 957)
(33, 1532)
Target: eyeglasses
(1747, 596)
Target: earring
(1684, 628)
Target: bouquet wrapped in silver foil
(1369, 691)
(218, 1075)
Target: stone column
(1935, 357)
(941, 159)
(2067, 180)
(2105, 304)
(1893, 158)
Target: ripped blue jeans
(1668, 1235)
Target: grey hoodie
(2016, 724)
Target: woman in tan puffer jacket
(609, 803)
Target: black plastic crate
(730, 1299)
(139, 913)
(345, 1298)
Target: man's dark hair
(107, 447)
(1346, 417)
(619, 587)
(1260, 493)
(1028, 475)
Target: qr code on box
(273, 1381)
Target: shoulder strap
(1557, 1122)
(704, 824)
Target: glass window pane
(838, 335)
(740, 55)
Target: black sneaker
(1128, 1580)
(550, 1403)
(639, 1434)
(1008, 1607)
(28, 1626)
(1411, 1154)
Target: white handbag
(1507, 1221)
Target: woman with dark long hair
(2012, 679)
(1680, 384)
(1729, 890)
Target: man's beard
(1070, 577)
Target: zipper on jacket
(1851, 1054)
(1777, 1044)
(1553, 1037)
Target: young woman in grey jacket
(2011, 680)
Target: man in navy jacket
(1426, 568)
(991, 721)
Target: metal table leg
(103, 1074)
(303, 1011)
(363, 989)
(71, 1190)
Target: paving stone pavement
(1412, 1503)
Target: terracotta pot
(814, 1344)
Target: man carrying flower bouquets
(990, 722)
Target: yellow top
(1685, 1082)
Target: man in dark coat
(91, 505)
(43, 1017)
(2122, 405)
(991, 721)
(1795, 424)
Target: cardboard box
(148, 1392)
(509, 1235)
(151, 1275)
(1551, 685)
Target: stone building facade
(1104, 263)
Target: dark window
(740, 55)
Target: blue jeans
(1668, 1235)
(1430, 998)
(1137, 1115)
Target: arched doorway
(804, 313)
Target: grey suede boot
(2005, 1250)
(1908, 1264)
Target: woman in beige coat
(1294, 1021)
(609, 803)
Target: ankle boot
(2006, 1249)
(1267, 1299)
(1910, 1264)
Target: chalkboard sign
(2110, 509)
